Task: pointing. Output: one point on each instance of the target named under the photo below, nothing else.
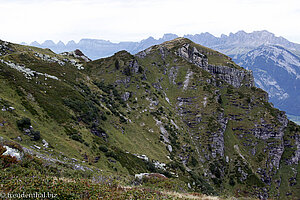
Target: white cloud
(123, 20)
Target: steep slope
(178, 109)
(272, 74)
(277, 71)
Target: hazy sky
(133, 20)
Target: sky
(134, 20)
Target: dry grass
(191, 196)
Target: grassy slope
(131, 125)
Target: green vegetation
(95, 128)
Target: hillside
(181, 111)
(272, 76)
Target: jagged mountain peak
(87, 41)
(48, 43)
(149, 39)
(239, 33)
(35, 43)
(169, 36)
(71, 43)
(60, 43)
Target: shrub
(103, 118)
(231, 182)
(77, 137)
(111, 154)
(2, 150)
(29, 107)
(86, 111)
(150, 166)
(117, 65)
(6, 160)
(229, 90)
(24, 123)
(103, 148)
(127, 71)
(36, 135)
(193, 161)
(220, 100)
(241, 94)
(86, 144)
(13, 145)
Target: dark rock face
(78, 52)
(217, 144)
(233, 76)
(274, 148)
(192, 55)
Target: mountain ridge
(235, 45)
(178, 109)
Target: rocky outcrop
(274, 147)
(173, 74)
(50, 59)
(192, 55)
(28, 73)
(13, 152)
(233, 76)
(144, 53)
(4, 48)
(217, 144)
(132, 68)
(265, 131)
(76, 54)
(126, 96)
(295, 159)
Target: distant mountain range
(275, 61)
(95, 48)
(232, 44)
(277, 71)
